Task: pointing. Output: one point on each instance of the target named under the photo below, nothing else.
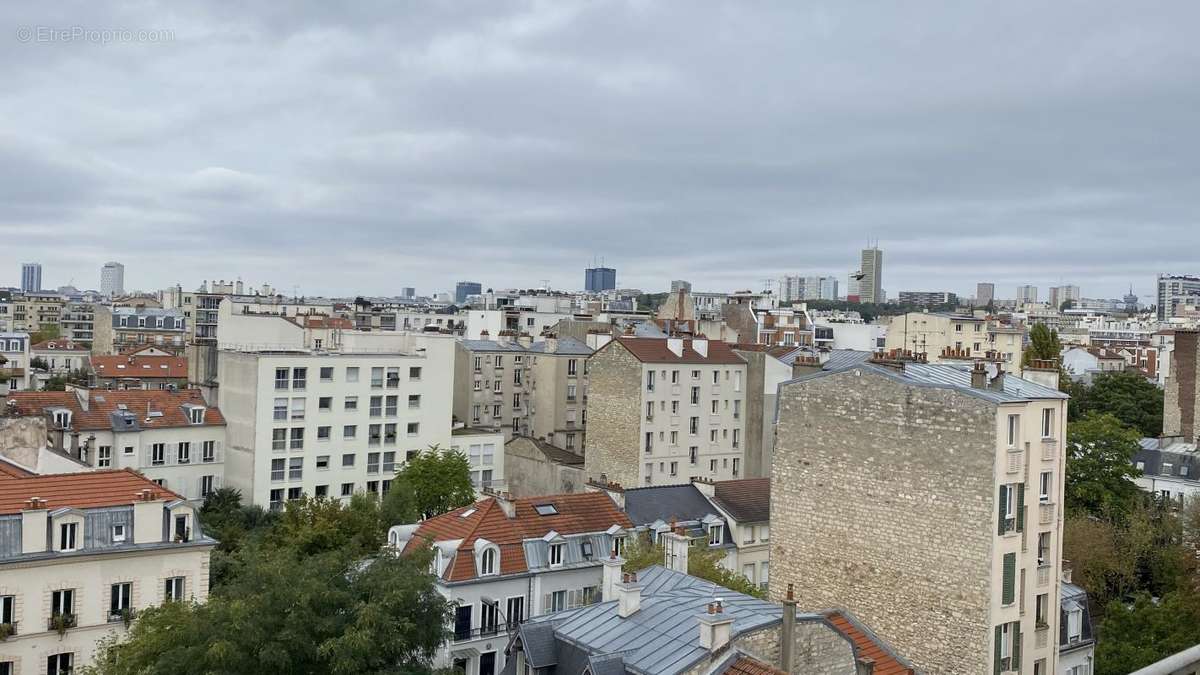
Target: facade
(502, 561)
(1061, 294)
(139, 371)
(798, 288)
(81, 554)
(535, 467)
(956, 337)
(598, 279)
(485, 453)
(870, 287)
(1176, 291)
(112, 280)
(31, 277)
(786, 326)
(985, 293)
(62, 357)
(1169, 468)
(666, 409)
(681, 285)
(16, 373)
(910, 492)
(77, 322)
(34, 311)
(524, 388)
(118, 329)
(329, 424)
(1027, 294)
(928, 298)
(465, 288)
(173, 438)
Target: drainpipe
(789, 631)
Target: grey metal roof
(537, 551)
(680, 502)
(1183, 457)
(538, 641)
(493, 346)
(843, 358)
(567, 346)
(949, 376)
(648, 329)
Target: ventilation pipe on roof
(864, 665)
(506, 504)
(715, 627)
(788, 640)
(979, 376)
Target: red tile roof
(84, 490)
(141, 367)
(102, 403)
(313, 321)
(60, 345)
(867, 645)
(748, 500)
(655, 350)
(11, 470)
(577, 514)
(745, 665)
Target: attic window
(546, 509)
(196, 415)
(586, 548)
(467, 513)
(62, 419)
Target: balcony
(1045, 513)
(462, 635)
(1049, 449)
(121, 615)
(8, 630)
(61, 622)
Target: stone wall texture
(614, 415)
(755, 458)
(818, 648)
(529, 473)
(1180, 398)
(883, 503)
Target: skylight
(466, 513)
(546, 509)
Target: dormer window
(118, 533)
(196, 415)
(62, 419)
(67, 536)
(488, 562)
(556, 555)
(716, 535)
(618, 546)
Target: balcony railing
(461, 635)
(61, 622)
(7, 630)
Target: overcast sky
(357, 147)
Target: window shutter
(1000, 502)
(996, 652)
(1016, 650)
(1010, 576)
(1020, 507)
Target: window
(570, 442)
(712, 465)
(717, 377)
(104, 456)
(389, 462)
(515, 611)
(693, 454)
(325, 404)
(1009, 582)
(350, 431)
(1048, 423)
(184, 455)
(694, 426)
(372, 462)
(764, 533)
(118, 535)
(414, 401)
(62, 603)
(764, 574)
(373, 434)
(8, 609)
(277, 468)
(352, 374)
(276, 499)
(517, 376)
(489, 617)
(736, 465)
(674, 468)
(129, 450)
(196, 415)
(712, 435)
(60, 664)
(376, 409)
(650, 380)
(321, 491)
(119, 600)
(1043, 548)
(558, 601)
(674, 407)
(571, 392)
(281, 378)
(748, 571)
(67, 536)
(327, 373)
(298, 408)
(347, 460)
(414, 428)
(279, 439)
(1074, 625)
(1014, 430)
(158, 454)
(737, 434)
(1044, 487)
(414, 373)
(173, 590)
(516, 401)
(695, 396)
(716, 535)
(295, 468)
(1011, 506)
(649, 441)
(572, 367)
(280, 409)
(347, 489)
(208, 451)
(351, 403)
(556, 554)
(377, 378)
(1041, 608)
(487, 562)
(298, 438)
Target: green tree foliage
(1133, 399)
(39, 363)
(431, 483)
(703, 562)
(1138, 633)
(225, 519)
(50, 331)
(1044, 345)
(1100, 469)
(307, 592)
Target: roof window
(546, 509)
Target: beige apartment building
(32, 312)
(524, 388)
(81, 554)
(666, 409)
(956, 337)
(927, 500)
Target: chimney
(675, 345)
(612, 577)
(551, 344)
(1044, 373)
(675, 550)
(997, 382)
(700, 344)
(979, 376)
(525, 339)
(1066, 572)
(715, 627)
(33, 526)
(81, 395)
(506, 504)
(865, 665)
(788, 639)
(629, 595)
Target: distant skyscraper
(596, 279)
(408, 292)
(678, 284)
(1174, 288)
(112, 279)
(870, 288)
(31, 277)
(464, 288)
(1061, 294)
(853, 284)
(984, 293)
(1027, 294)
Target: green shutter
(1020, 507)
(1000, 502)
(1016, 647)
(996, 652)
(1010, 579)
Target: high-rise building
(112, 279)
(679, 284)
(870, 289)
(31, 277)
(928, 298)
(464, 288)
(797, 288)
(1061, 294)
(1131, 301)
(984, 293)
(597, 279)
(1027, 294)
(853, 284)
(408, 292)
(1174, 289)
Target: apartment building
(16, 374)
(524, 388)
(502, 561)
(666, 409)
(35, 311)
(911, 492)
(62, 355)
(328, 424)
(870, 286)
(486, 455)
(77, 322)
(118, 329)
(787, 326)
(142, 370)
(81, 554)
(172, 437)
(956, 337)
(928, 298)
(1175, 291)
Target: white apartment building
(15, 372)
(501, 561)
(112, 279)
(173, 438)
(317, 423)
(81, 554)
(955, 337)
(663, 410)
(62, 357)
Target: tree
(1100, 469)
(431, 483)
(703, 563)
(39, 363)
(1133, 399)
(314, 525)
(1065, 305)
(1044, 345)
(49, 331)
(1137, 634)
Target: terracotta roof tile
(11, 470)
(84, 490)
(60, 345)
(141, 367)
(655, 350)
(748, 500)
(745, 665)
(867, 645)
(577, 514)
(102, 403)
